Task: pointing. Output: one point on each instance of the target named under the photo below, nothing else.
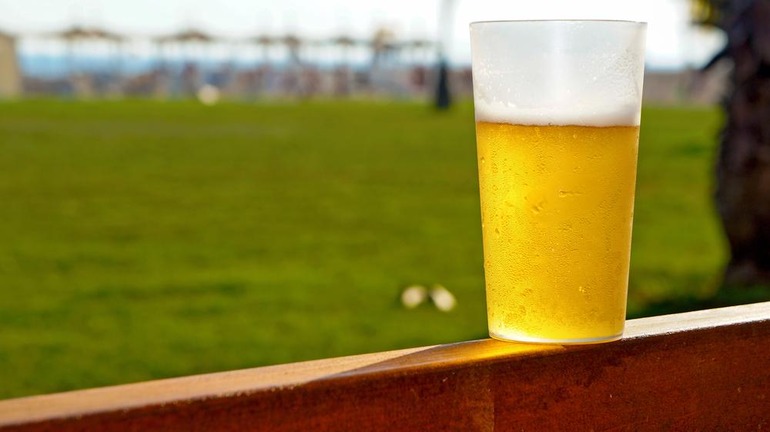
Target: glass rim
(557, 20)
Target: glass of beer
(557, 108)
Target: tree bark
(743, 166)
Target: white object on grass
(208, 94)
(413, 296)
(443, 299)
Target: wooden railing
(698, 371)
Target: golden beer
(557, 208)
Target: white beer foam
(587, 115)
(558, 72)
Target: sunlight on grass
(144, 240)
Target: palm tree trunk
(743, 166)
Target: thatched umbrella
(416, 46)
(77, 33)
(292, 77)
(183, 37)
(72, 36)
(345, 43)
(186, 38)
(343, 79)
(382, 43)
(80, 33)
(293, 44)
(265, 42)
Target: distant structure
(10, 73)
(190, 78)
(82, 82)
(190, 63)
(685, 87)
(443, 95)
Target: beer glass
(557, 108)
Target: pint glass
(557, 108)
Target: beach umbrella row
(382, 39)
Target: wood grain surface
(705, 370)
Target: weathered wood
(705, 370)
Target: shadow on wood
(704, 370)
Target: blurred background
(192, 186)
(247, 50)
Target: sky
(671, 41)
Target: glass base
(578, 341)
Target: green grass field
(141, 240)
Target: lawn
(142, 239)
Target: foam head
(558, 72)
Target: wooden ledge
(704, 370)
